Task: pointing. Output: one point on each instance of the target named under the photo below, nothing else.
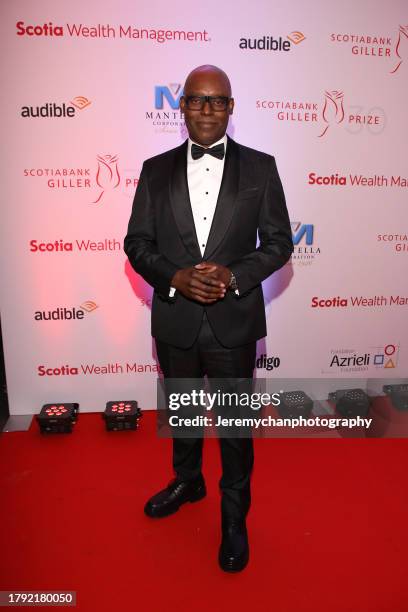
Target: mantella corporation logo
(272, 43)
(166, 116)
(56, 110)
(305, 250)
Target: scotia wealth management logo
(106, 30)
(393, 49)
(271, 42)
(359, 301)
(56, 110)
(339, 179)
(66, 313)
(99, 181)
(370, 359)
(166, 117)
(96, 369)
(327, 115)
(66, 247)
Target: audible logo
(269, 43)
(66, 314)
(53, 110)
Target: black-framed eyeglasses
(217, 103)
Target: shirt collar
(224, 140)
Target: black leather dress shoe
(176, 493)
(234, 550)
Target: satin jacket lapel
(180, 203)
(224, 209)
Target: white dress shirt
(204, 176)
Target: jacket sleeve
(275, 238)
(140, 242)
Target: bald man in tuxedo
(192, 235)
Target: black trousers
(208, 357)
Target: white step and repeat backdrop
(91, 89)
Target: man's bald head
(207, 124)
(205, 72)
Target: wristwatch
(233, 283)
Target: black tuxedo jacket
(161, 239)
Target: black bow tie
(217, 151)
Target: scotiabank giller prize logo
(402, 42)
(392, 49)
(397, 242)
(333, 111)
(331, 114)
(100, 181)
(107, 175)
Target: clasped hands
(205, 282)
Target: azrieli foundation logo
(166, 116)
(272, 43)
(56, 110)
(369, 359)
(393, 49)
(331, 114)
(100, 181)
(305, 250)
(64, 313)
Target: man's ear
(231, 106)
(182, 104)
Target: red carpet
(328, 524)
